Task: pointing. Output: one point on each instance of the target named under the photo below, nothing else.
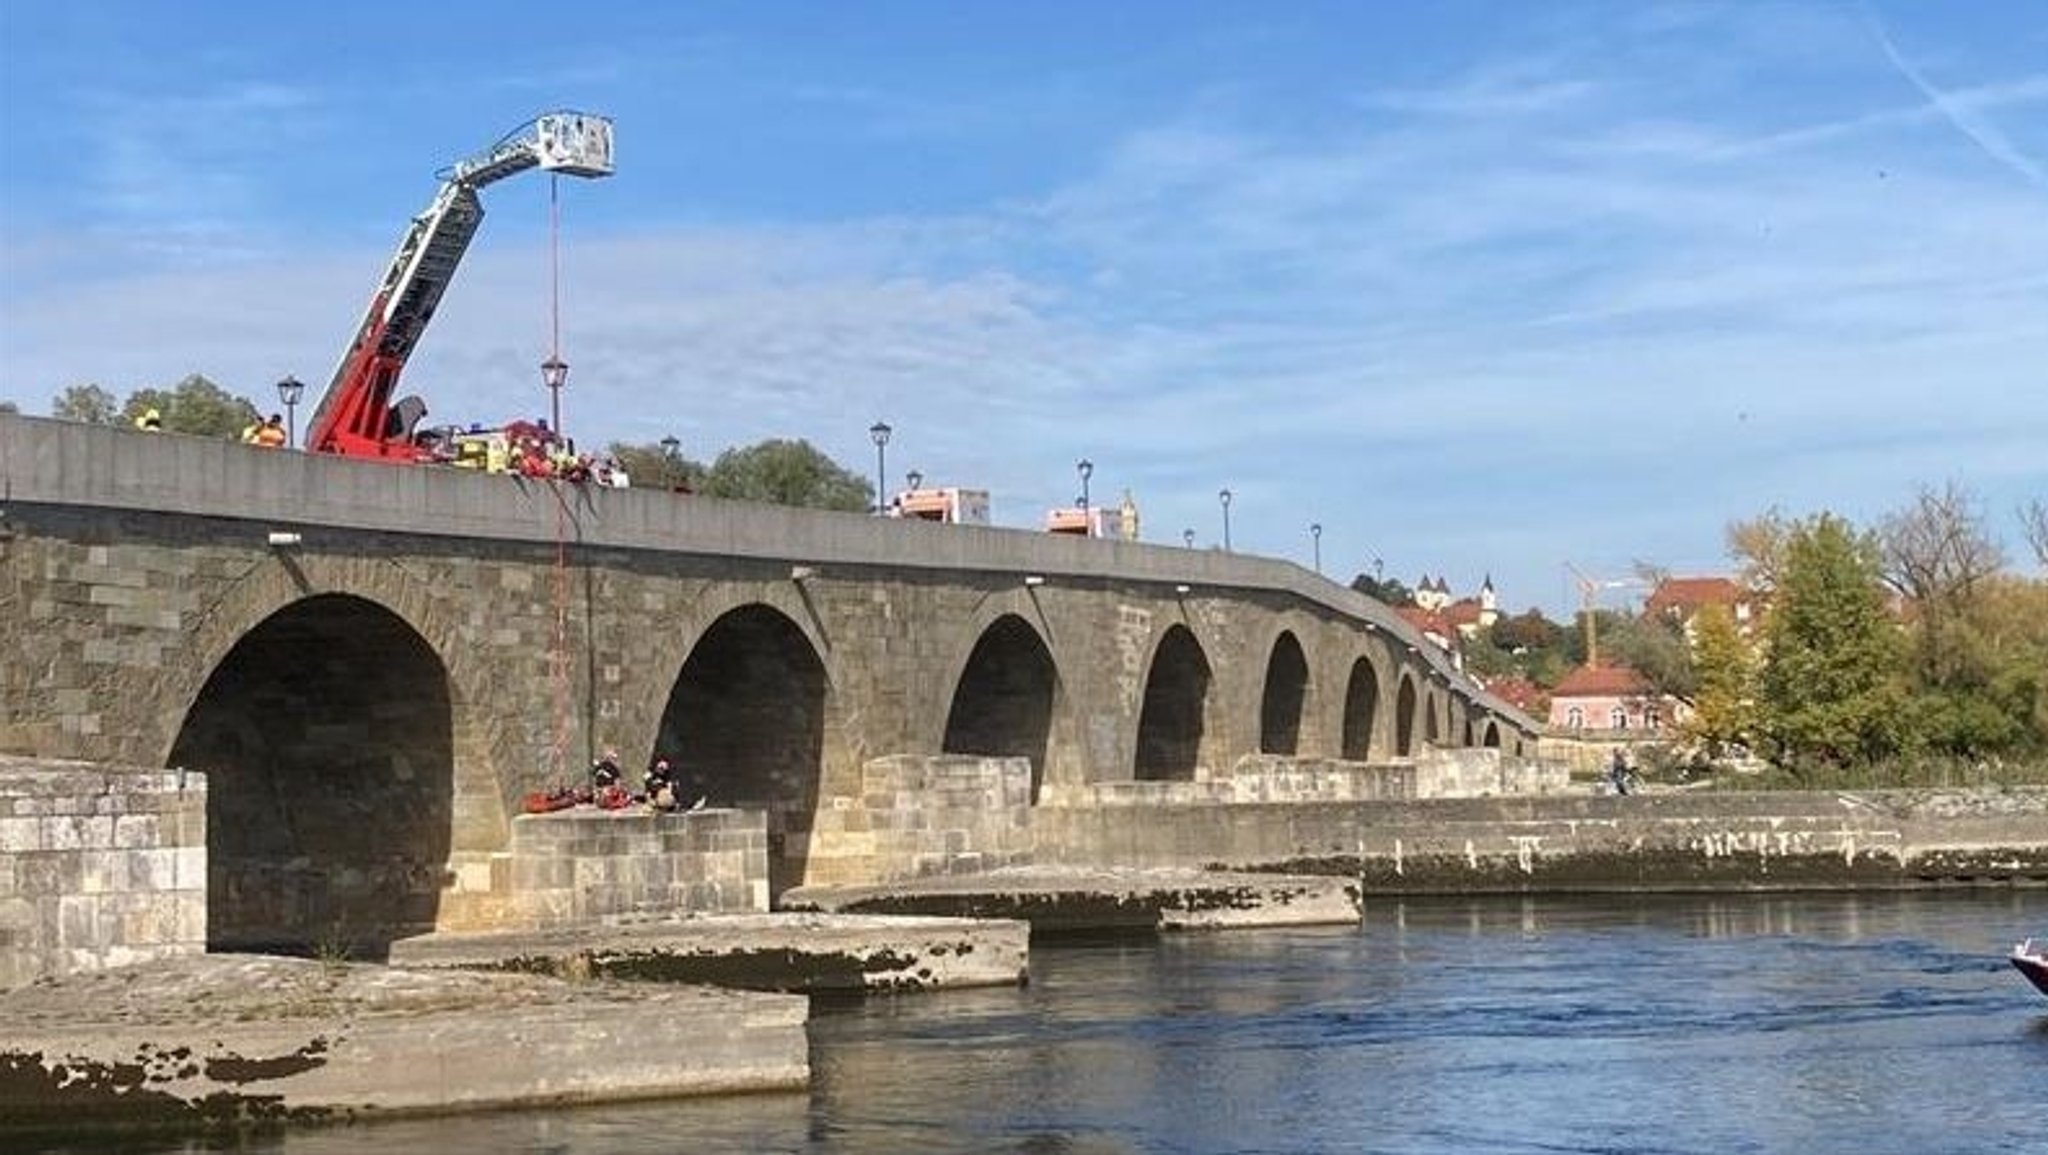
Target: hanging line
(558, 658)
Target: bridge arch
(1361, 709)
(1281, 702)
(1172, 723)
(327, 731)
(745, 727)
(1404, 716)
(1432, 718)
(1491, 736)
(1005, 697)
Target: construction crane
(1589, 594)
(356, 416)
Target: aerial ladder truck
(357, 416)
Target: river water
(1811, 1023)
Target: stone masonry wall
(918, 816)
(585, 865)
(99, 866)
(1484, 772)
(1647, 842)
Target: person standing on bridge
(270, 434)
(150, 421)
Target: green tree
(88, 403)
(654, 467)
(787, 473)
(1655, 648)
(1529, 630)
(196, 406)
(1724, 698)
(1388, 591)
(1536, 646)
(1831, 685)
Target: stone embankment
(1057, 899)
(1652, 842)
(233, 1040)
(801, 953)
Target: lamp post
(1086, 469)
(1223, 495)
(1315, 533)
(1187, 538)
(289, 391)
(671, 463)
(880, 431)
(916, 479)
(554, 373)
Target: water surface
(1811, 1024)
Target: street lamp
(289, 391)
(1086, 469)
(1223, 495)
(1187, 538)
(880, 431)
(916, 480)
(554, 373)
(1315, 533)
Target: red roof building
(1521, 693)
(1611, 698)
(1681, 599)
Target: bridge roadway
(372, 693)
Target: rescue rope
(558, 656)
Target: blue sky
(1477, 287)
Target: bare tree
(1758, 547)
(1936, 553)
(1937, 550)
(2034, 522)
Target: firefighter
(660, 784)
(270, 434)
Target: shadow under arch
(1286, 690)
(327, 735)
(745, 728)
(1361, 709)
(1004, 700)
(1492, 736)
(1170, 723)
(1404, 716)
(1432, 726)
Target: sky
(1479, 288)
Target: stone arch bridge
(373, 663)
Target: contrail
(1981, 132)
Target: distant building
(1450, 622)
(1612, 699)
(1521, 693)
(1680, 600)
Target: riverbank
(233, 1041)
(1675, 841)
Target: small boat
(2032, 962)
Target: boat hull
(2035, 967)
